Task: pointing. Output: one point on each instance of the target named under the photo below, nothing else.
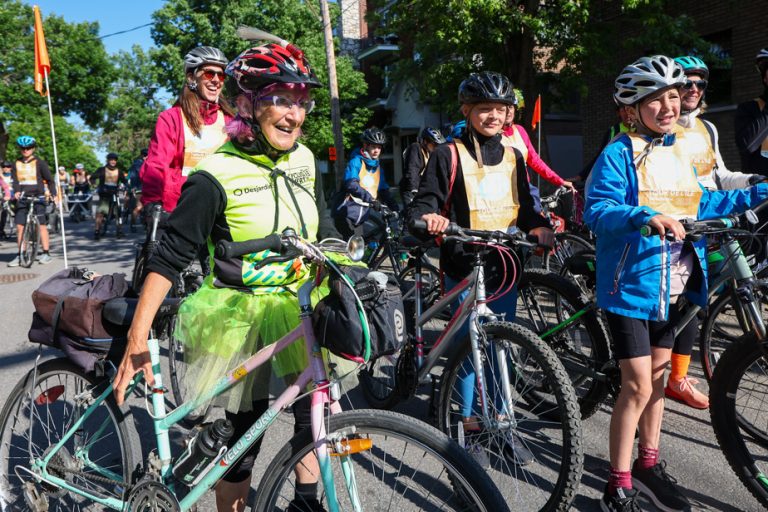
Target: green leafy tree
(180, 25)
(80, 76)
(133, 106)
(524, 39)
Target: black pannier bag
(336, 320)
(68, 315)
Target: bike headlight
(356, 248)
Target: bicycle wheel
(178, 370)
(739, 412)
(725, 323)
(99, 458)
(532, 448)
(28, 250)
(566, 245)
(410, 466)
(378, 381)
(544, 301)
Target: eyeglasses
(283, 103)
(208, 74)
(700, 84)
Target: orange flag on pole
(42, 63)
(536, 113)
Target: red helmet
(264, 65)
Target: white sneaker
(14, 262)
(44, 259)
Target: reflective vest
(26, 172)
(369, 180)
(198, 147)
(111, 176)
(698, 143)
(255, 190)
(492, 193)
(515, 141)
(665, 178)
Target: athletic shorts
(104, 202)
(633, 337)
(21, 214)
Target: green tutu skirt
(221, 327)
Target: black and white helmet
(204, 55)
(374, 136)
(433, 135)
(646, 76)
(487, 86)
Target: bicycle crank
(152, 496)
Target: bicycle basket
(336, 319)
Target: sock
(305, 492)
(618, 479)
(646, 457)
(680, 364)
(45, 252)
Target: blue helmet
(456, 131)
(25, 141)
(693, 65)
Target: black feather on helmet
(260, 66)
(487, 87)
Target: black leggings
(242, 421)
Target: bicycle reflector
(49, 395)
(350, 446)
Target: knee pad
(242, 421)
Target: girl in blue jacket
(648, 178)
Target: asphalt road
(688, 443)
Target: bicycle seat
(120, 310)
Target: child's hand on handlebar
(436, 223)
(664, 224)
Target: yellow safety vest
(250, 211)
(492, 193)
(369, 180)
(665, 178)
(515, 141)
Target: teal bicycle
(66, 445)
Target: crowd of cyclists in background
(475, 173)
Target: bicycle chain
(96, 478)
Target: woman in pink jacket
(190, 130)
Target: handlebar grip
(421, 225)
(226, 250)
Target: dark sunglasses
(208, 74)
(700, 84)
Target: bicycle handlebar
(227, 250)
(696, 229)
(468, 235)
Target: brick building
(737, 30)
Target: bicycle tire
(734, 432)
(28, 250)
(177, 368)
(721, 328)
(566, 245)
(57, 382)
(557, 463)
(544, 301)
(378, 381)
(425, 456)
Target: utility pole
(333, 85)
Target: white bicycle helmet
(204, 55)
(646, 76)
